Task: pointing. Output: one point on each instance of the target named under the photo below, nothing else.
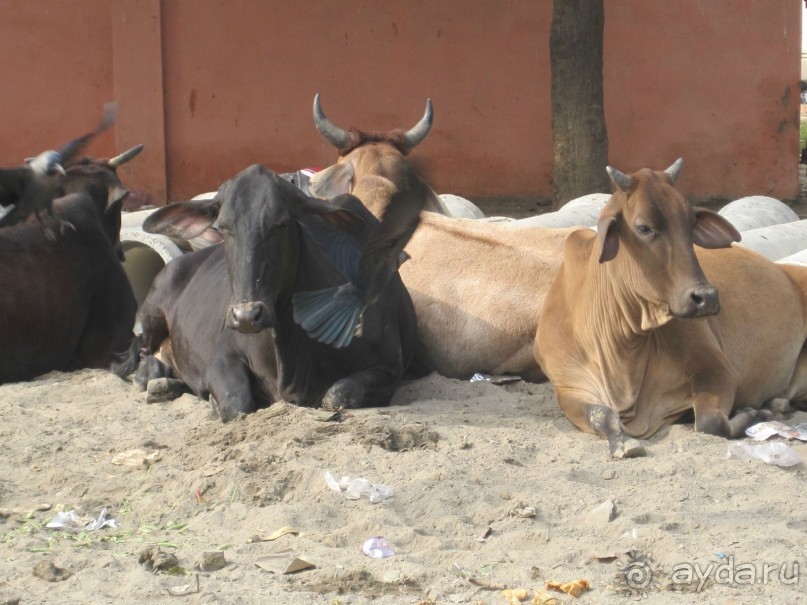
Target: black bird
(333, 315)
(33, 187)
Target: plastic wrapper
(377, 548)
(776, 453)
(503, 379)
(353, 489)
(765, 430)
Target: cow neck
(297, 375)
(620, 326)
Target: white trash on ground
(377, 548)
(776, 453)
(353, 489)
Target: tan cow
(634, 335)
(478, 290)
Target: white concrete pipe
(145, 255)
(459, 207)
(757, 211)
(777, 241)
(582, 211)
(799, 258)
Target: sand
(490, 483)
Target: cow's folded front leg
(367, 388)
(712, 402)
(601, 420)
(229, 383)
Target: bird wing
(71, 150)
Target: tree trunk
(579, 135)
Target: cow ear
(333, 181)
(183, 220)
(608, 236)
(712, 230)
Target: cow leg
(711, 417)
(797, 389)
(150, 368)
(229, 383)
(713, 401)
(601, 420)
(366, 388)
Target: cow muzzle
(249, 317)
(700, 301)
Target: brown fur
(622, 363)
(478, 290)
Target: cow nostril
(255, 316)
(697, 299)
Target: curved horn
(620, 179)
(418, 132)
(333, 134)
(673, 171)
(121, 159)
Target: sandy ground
(465, 460)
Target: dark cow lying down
(222, 317)
(634, 333)
(66, 303)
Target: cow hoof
(630, 448)
(150, 368)
(343, 394)
(779, 406)
(164, 389)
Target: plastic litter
(775, 452)
(68, 520)
(377, 548)
(765, 430)
(353, 489)
(494, 379)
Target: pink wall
(713, 82)
(211, 86)
(241, 77)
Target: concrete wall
(211, 86)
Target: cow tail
(123, 364)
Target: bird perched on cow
(333, 315)
(33, 187)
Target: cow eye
(643, 230)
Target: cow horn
(333, 134)
(673, 171)
(120, 160)
(415, 135)
(620, 179)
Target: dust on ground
(490, 483)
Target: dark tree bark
(579, 135)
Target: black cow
(66, 304)
(222, 317)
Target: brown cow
(478, 287)
(631, 337)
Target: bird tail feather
(330, 316)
